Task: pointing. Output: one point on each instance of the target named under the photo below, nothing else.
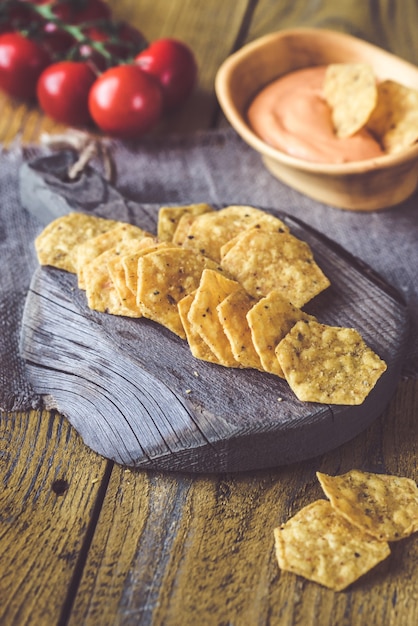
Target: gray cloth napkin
(215, 167)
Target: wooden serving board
(136, 395)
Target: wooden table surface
(86, 542)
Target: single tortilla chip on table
(213, 288)
(269, 320)
(198, 346)
(232, 313)
(263, 261)
(165, 276)
(328, 364)
(207, 233)
(384, 506)
(169, 216)
(322, 546)
(394, 121)
(93, 247)
(56, 243)
(350, 89)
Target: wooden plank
(128, 557)
(385, 23)
(201, 551)
(51, 484)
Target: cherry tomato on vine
(14, 16)
(90, 11)
(63, 90)
(174, 65)
(126, 102)
(53, 38)
(77, 11)
(119, 39)
(21, 63)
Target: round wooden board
(136, 395)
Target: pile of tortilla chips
(388, 109)
(333, 542)
(232, 282)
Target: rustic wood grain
(171, 549)
(203, 547)
(385, 23)
(47, 507)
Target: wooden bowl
(368, 185)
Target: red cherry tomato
(174, 65)
(63, 90)
(21, 63)
(132, 41)
(55, 40)
(15, 17)
(125, 102)
(120, 39)
(77, 11)
(91, 11)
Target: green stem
(45, 11)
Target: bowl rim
(242, 127)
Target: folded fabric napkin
(214, 167)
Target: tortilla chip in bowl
(362, 185)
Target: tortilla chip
(263, 261)
(165, 276)
(267, 223)
(93, 247)
(129, 261)
(169, 216)
(232, 314)
(328, 364)
(213, 288)
(182, 228)
(350, 90)
(395, 118)
(101, 292)
(207, 233)
(56, 243)
(320, 545)
(198, 347)
(116, 268)
(270, 319)
(384, 506)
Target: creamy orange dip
(291, 114)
